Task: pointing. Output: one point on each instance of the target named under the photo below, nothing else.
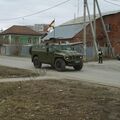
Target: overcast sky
(18, 8)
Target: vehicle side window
(51, 49)
(43, 48)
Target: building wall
(20, 39)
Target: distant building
(39, 27)
(20, 35)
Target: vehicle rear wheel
(59, 64)
(37, 62)
(78, 67)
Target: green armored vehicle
(58, 56)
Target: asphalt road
(107, 73)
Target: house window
(108, 27)
(35, 40)
(29, 41)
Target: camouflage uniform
(100, 56)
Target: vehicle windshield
(60, 47)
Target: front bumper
(73, 63)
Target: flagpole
(54, 28)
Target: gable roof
(70, 28)
(20, 30)
(81, 19)
(65, 31)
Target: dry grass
(58, 100)
(8, 72)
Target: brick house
(112, 22)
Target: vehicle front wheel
(59, 64)
(37, 62)
(78, 67)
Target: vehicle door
(49, 54)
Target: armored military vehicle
(58, 56)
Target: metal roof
(71, 28)
(81, 19)
(65, 31)
(20, 30)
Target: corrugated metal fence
(15, 50)
(18, 50)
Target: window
(29, 40)
(108, 27)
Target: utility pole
(84, 34)
(94, 17)
(94, 27)
(108, 40)
(94, 20)
(78, 8)
(92, 30)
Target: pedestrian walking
(100, 56)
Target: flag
(51, 25)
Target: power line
(35, 13)
(112, 3)
(115, 0)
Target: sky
(10, 9)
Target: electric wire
(112, 3)
(35, 13)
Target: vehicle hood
(67, 53)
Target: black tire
(78, 67)
(37, 62)
(30, 50)
(59, 64)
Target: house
(17, 40)
(19, 35)
(72, 31)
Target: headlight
(66, 58)
(81, 57)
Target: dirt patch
(8, 72)
(58, 100)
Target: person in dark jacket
(100, 56)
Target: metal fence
(23, 50)
(15, 50)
